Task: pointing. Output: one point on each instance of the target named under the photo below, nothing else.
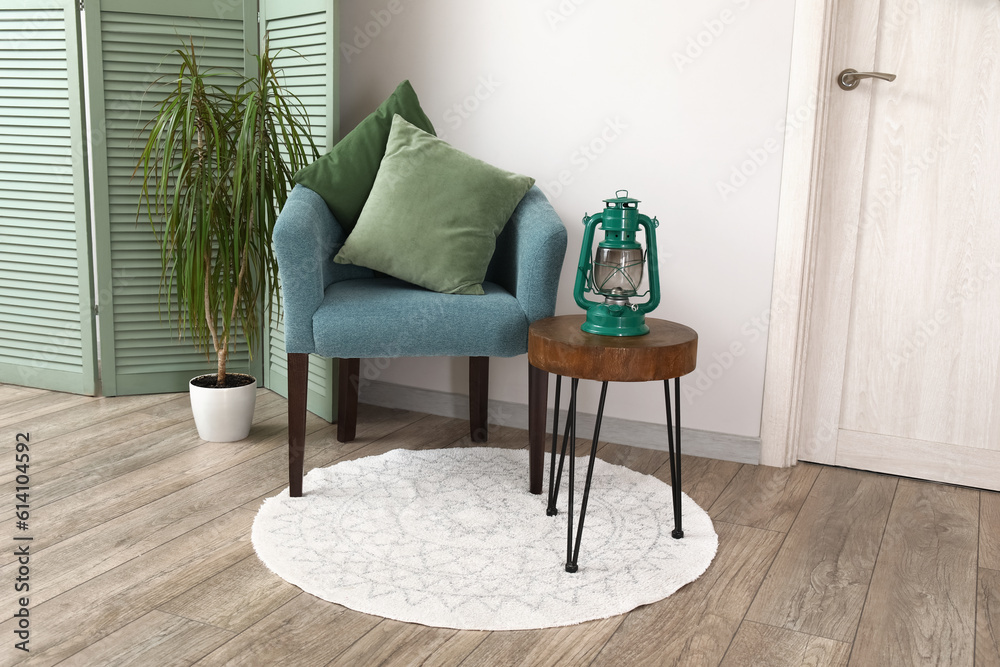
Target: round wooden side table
(558, 345)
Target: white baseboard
(709, 444)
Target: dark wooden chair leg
(298, 387)
(347, 399)
(479, 398)
(538, 396)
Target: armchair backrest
(529, 255)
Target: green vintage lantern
(616, 271)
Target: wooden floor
(141, 555)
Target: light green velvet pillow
(433, 215)
(344, 176)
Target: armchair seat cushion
(386, 317)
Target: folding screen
(47, 335)
(129, 47)
(306, 33)
(48, 299)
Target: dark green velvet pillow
(344, 176)
(434, 214)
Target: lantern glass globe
(617, 271)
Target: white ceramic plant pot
(223, 415)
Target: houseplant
(216, 168)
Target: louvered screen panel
(306, 32)
(46, 308)
(129, 47)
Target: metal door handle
(850, 78)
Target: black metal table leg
(571, 564)
(572, 468)
(551, 507)
(570, 415)
(555, 475)
(674, 434)
(569, 437)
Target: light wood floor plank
(120, 494)
(157, 639)
(921, 609)
(103, 547)
(118, 420)
(428, 432)
(393, 643)
(766, 497)
(87, 413)
(702, 479)
(695, 625)
(77, 445)
(22, 412)
(304, 632)
(107, 456)
(81, 459)
(988, 619)
(99, 606)
(9, 393)
(376, 422)
(646, 461)
(504, 437)
(81, 411)
(48, 454)
(757, 645)
(553, 647)
(235, 598)
(989, 530)
(820, 578)
(456, 649)
(177, 407)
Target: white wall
(667, 99)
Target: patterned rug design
(452, 538)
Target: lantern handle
(584, 267)
(652, 262)
(618, 193)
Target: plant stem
(220, 380)
(236, 301)
(220, 354)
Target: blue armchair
(347, 312)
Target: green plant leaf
(215, 168)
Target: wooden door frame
(796, 247)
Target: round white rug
(452, 538)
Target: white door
(902, 370)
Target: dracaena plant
(216, 168)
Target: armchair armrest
(306, 237)
(529, 256)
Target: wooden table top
(558, 345)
